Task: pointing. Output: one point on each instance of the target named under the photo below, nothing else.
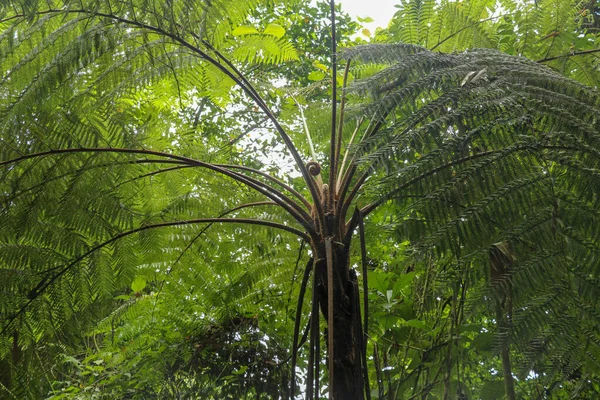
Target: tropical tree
(123, 134)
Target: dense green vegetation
(186, 213)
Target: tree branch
(572, 54)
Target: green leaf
(378, 280)
(415, 323)
(320, 66)
(404, 283)
(240, 371)
(316, 76)
(244, 30)
(483, 342)
(492, 390)
(365, 20)
(274, 30)
(138, 284)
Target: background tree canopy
(186, 213)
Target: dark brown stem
(572, 54)
(307, 271)
(330, 328)
(465, 28)
(333, 142)
(377, 364)
(312, 378)
(365, 333)
(338, 147)
(45, 283)
(297, 194)
(296, 211)
(233, 75)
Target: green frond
(263, 48)
(478, 148)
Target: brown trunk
(347, 332)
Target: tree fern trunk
(347, 335)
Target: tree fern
(119, 204)
(478, 151)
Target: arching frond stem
(365, 325)
(295, 210)
(333, 142)
(202, 231)
(45, 283)
(572, 54)
(230, 74)
(180, 165)
(287, 187)
(341, 174)
(370, 207)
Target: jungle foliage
(231, 199)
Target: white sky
(380, 10)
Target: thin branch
(338, 147)
(244, 133)
(146, 175)
(571, 54)
(341, 168)
(332, 151)
(202, 231)
(363, 253)
(467, 27)
(348, 200)
(272, 179)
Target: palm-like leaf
(111, 177)
(479, 148)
